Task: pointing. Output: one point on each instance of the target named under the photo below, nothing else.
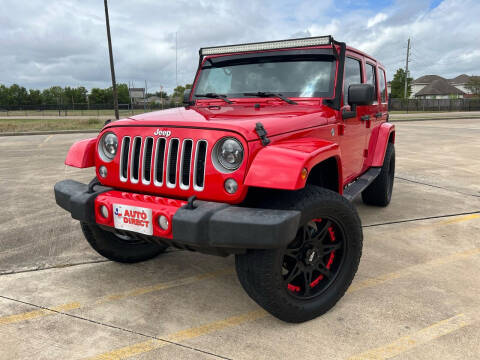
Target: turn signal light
(304, 173)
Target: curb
(53, 132)
(435, 119)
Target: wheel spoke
(328, 248)
(293, 274)
(307, 276)
(323, 232)
(324, 271)
(293, 253)
(307, 235)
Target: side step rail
(355, 188)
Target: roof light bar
(269, 45)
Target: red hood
(276, 118)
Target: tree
(161, 94)
(123, 94)
(3, 95)
(398, 85)
(178, 92)
(34, 97)
(17, 95)
(473, 85)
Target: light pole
(112, 68)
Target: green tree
(473, 84)
(34, 97)
(99, 96)
(17, 95)
(161, 94)
(398, 85)
(3, 95)
(122, 93)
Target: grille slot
(199, 171)
(159, 161)
(172, 163)
(147, 160)
(186, 163)
(125, 152)
(135, 161)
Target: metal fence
(430, 105)
(81, 109)
(95, 110)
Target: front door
(353, 139)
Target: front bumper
(208, 225)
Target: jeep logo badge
(165, 133)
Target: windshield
(292, 76)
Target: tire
(379, 192)
(120, 249)
(265, 274)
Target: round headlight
(108, 146)
(228, 154)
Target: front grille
(165, 162)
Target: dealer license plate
(133, 218)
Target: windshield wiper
(215, 96)
(271, 94)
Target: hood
(242, 118)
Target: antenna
(112, 68)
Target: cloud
(64, 42)
(377, 19)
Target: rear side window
(383, 86)
(353, 75)
(371, 77)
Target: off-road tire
(114, 248)
(379, 192)
(260, 271)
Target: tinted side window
(371, 77)
(383, 86)
(353, 75)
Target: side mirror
(361, 94)
(186, 97)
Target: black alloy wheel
(312, 261)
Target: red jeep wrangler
(274, 142)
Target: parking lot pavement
(415, 295)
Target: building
(437, 87)
(153, 100)
(136, 95)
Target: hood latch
(262, 134)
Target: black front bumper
(208, 225)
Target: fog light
(163, 222)
(231, 186)
(104, 211)
(103, 171)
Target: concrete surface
(451, 115)
(415, 296)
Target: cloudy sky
(63, 42)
